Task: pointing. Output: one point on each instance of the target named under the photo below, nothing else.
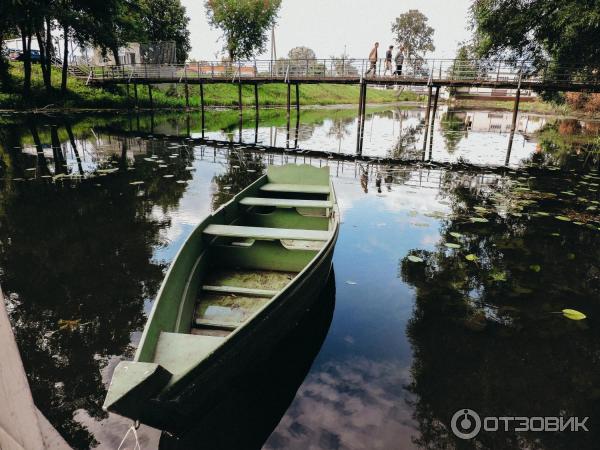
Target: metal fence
(445, 71)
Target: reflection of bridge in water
(434, 74)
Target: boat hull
(252, 345)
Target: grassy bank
(173, 96)
(536, 106)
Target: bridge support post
(364, 117)
(435, 104)
(513, 125)
(150, 95)
(289, 99)
(359, 117)
(427, 119)
(202, 105)
(240, 97)
(187, 95)
(298, 98)
(135, 93)
(256, 105)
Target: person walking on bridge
(399, 59)
(388, 60)
(373, 60)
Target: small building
(127, 55)
(480, 93)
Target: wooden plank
(241, 291)
(266, 233)
(298, 188)
(285, 202)
(215, 324)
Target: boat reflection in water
(259, 397)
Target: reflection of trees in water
(242, 169)
(340, 128)
(405, 147)
(453, 129)
(564, 144)
(83, 252)
(483, 333)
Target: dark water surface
(449, 280)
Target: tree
(245, 24)
(412, 32)
(165, 20)
(302, 53)
(566, 31)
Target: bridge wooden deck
(442, 73)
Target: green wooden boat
(241, 280)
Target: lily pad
(573, 314)
(535, 267)
(414, 258)
(452, 245)
(168, 176)
(135, 183)
(456, 235)
(563, 218)
(498, 276)
(471, 257)
(479, 220)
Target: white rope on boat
(133, 428)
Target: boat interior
(250, 251)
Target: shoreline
(539, 108)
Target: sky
(327, 26)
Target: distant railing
(431, 71)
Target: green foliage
(412, 32)
(564, 30)
(302, 53)
(165, 20)
(244, 23)
(172, 96)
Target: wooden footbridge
(433, 74)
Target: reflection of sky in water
(485, 142)
(354, 396)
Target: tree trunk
(65, 66)
(4, 77)
(44, 56)
(26, 41)
(115, 52)
(49, 51)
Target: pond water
(450, 272)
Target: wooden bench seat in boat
(178, 352)
(236, 231)
(285, 202)
(296, 188)
(240, 291)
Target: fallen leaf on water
(451, 245)
(498, 276)
(573, 314)
(70, 325)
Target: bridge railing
(422, 70)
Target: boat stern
(133, 385)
